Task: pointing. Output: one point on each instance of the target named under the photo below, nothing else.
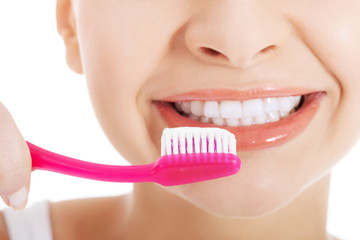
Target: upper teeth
(237, 113)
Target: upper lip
(237, 95)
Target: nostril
(211, 52)
(268, 49)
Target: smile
(259, 119)
(240, 113)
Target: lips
(254, 137)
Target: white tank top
(33, 223)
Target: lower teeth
(234, 122)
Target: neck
(162, 215)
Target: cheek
(341, 55)
(121, 45)
(116, 70)
(333, 36)
(113, 91)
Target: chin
(232, 197)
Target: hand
(15, 162)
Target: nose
(236, 33)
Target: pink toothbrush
(188, 155)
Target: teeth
(197, 108)
(261, 119)
(211, 109)
(232, 122)
(230, 109)
(194, 117)
(218, 121)
(271, 105)
(240, 113)
(296, 100)
(247, 121)
(253, 108)
(185, 107)
(204, 119)
(285, 104)
(273, 116)
(284, 114)
(178, 106)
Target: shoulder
(3, 229)
(98, 218)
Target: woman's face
(139, 55)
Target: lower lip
(254, 137)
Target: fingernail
(18, 199)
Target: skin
(134, 52)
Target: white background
(52, 109)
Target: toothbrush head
(191, 154)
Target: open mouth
(240, 113)
(257, 123)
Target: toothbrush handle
(46, 160)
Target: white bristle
(182, 145)
(225, 142)
(163, 144)
(175, 143)
(218, 142)
(189, 140)
(168, 145)
(203, 140)
(232, 147)
(163, 141)
(211, 142)
(197, 140)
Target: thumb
(15, 162)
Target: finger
(15, 162)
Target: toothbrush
(188, 155)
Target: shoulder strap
(33, 223)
